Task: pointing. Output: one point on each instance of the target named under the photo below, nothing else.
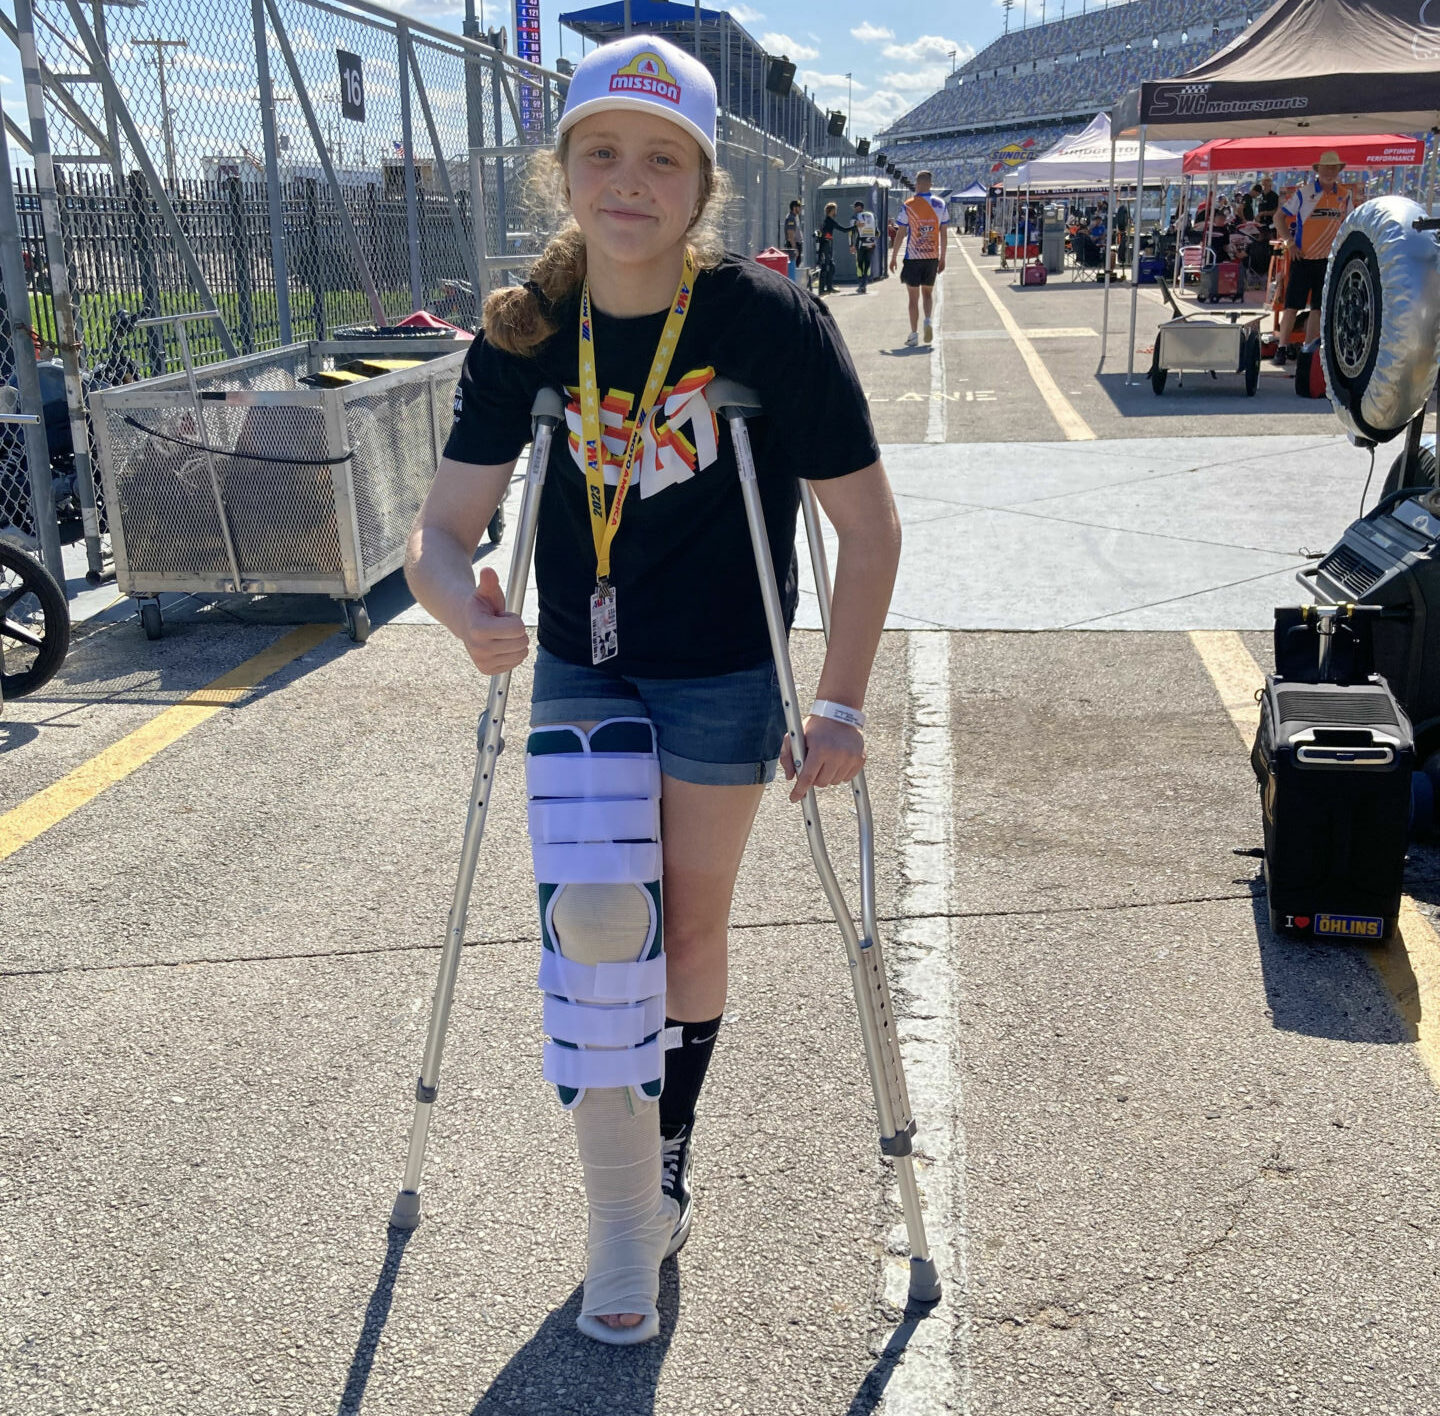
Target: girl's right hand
(495, 640)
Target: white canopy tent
(1084, 160)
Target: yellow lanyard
(603, 528)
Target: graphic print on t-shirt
(921, 217)
(667, 455)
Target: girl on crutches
(655, 700)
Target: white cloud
(930, 47)
(791, 48)
(6, 79)
(815, 81)
(746, 15)
(190, 59)
(926, 78)
(867, 33)
(877, 111)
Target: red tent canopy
(1251, 154)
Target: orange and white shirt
(924, 218)
(1317, 211)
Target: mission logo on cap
(648, 74)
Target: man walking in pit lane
(921, 222)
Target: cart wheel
(151, 620)
(1252, 369)
(357, 620)
(34, 623)
(1158, 376)
(496, 529)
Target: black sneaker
(675, 1182)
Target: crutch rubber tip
(406, 1214)
(925, 1284)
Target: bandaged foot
(631, 1220)
(594, 824)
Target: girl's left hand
(834, 753)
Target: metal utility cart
(1206, 343)
(296, 471)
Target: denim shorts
(724, 730)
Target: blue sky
(896, 55)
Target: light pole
(161, 45)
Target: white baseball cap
(648, 74)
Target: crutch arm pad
(728, 398)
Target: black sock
(684, 1075)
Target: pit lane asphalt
(1189, 1166)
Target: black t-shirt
(687, 595)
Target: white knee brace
(595, 835)
(595, 830)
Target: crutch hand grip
(548, 408)
(730, 399)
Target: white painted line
(935, 426)
(1075, 428)
(932, 1374)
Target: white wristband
(824, 708)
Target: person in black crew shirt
(827, 231)
(691, 650)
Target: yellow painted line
(22, 824)
(1410, 965)
(1075, 428)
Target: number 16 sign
(352, 87)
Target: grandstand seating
(1039, 82)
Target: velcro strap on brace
(598, 863)
(593, 775)
(588, 1025)
(555, 821)
(602, 983)
(624, 1067)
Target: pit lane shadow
(872, 1390)
(1201, 394)
(558, 1371)
(1330, 990)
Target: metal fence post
(244, 296)
(502, 243)
(302, 96)
(167, 212)
(443, 174)
(273, 195)
(314, 265)
(17, 303)
(144, 249)
(407, 139)
(67, 330)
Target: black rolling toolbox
(1334, 753)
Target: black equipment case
(1333, 754)
(1391, 558)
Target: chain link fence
(296, 166)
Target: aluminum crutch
(547, 414)
(867, 960)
